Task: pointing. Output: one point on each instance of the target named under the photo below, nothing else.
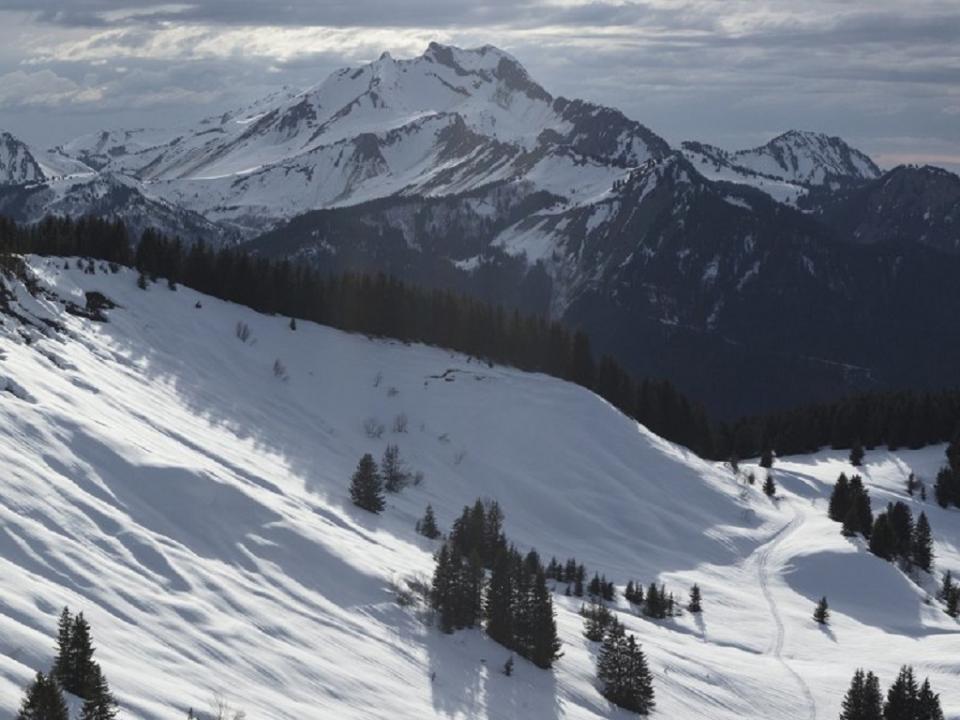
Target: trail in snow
(776, 650)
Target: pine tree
(622, 670)
(441, 590)
(882, 541)
(946, 587)
(856, 454)
(769, 486)
(546, 644)
(81, 678)
(695, 605)
(863, 700)
(922, 544)
(901, 523)
(43, 700)
(766, 459)
(943, 487)
(293, 323)
(928, 703)
(427, 526)
(822, 612)
(101, 704)
(953, 602)
(366, 488)
(499, 601)
(391, 470)
(839, 499)
(62, 662)
(597, 619)
(901, 703)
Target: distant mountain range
(754, 279)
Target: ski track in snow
(762, 555)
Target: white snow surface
(160, 478)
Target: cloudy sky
(884, 74)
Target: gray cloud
(885, 76)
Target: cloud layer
(885, 75)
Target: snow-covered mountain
(163, 478)
(787, 166)
(17, 164)
(107, 195)
(446, 122)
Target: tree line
(384, 306)
(893, 535)
(905, 699)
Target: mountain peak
(18, 166)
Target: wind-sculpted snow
(160, 477)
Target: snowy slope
(17, 163)
(161, 478)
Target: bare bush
(416, 478)
(400, 423)
(242, 331)
(377, 379)
(279, 370)
(373, 428)
(392, 391)
(458, 456)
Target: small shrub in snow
(444, 438)
(392, 391)
(459, 456)
(242, 331)
(377, 379)
(373, 428)
(400, 423)
(279, 370)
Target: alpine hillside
(177, 468)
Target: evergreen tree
(901, 523)
(62, 661)
(597, 618)
(623, 673)
(81, 678)
(822, 612)
(928, 703)
(922, 544)
(101, 704)
(545, 647)
(293, 323)
(442, 588)
(499, 601)
(882, 541)
(769, 486)
(839, 499)
(366, 488)
(943, 487)
(43, 700)
(863, 700)
(953, 602)
(695, 604)
(901, 703)
(427, 526)
(766, 459)
(392, 474)
(856, 454)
